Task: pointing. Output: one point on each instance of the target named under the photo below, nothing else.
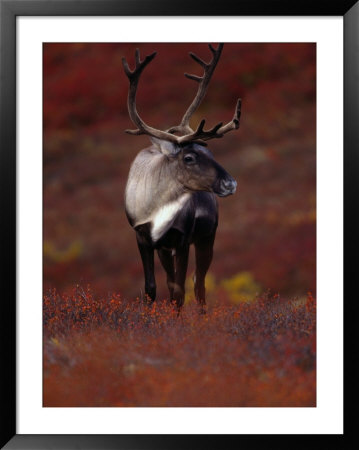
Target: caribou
(170, 196)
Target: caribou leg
(147, 256)
(181, 259)
(204, 253)
(167, 262)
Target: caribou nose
(229, 185)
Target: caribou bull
(170, 196)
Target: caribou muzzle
(226, 187)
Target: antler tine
(134, 76)
(197, 59)
(201, 135)
(217, 131)
(203, 84)
(234, 123)
(137, 56)
(213, 50)
(139, 65)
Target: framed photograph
(182, 282)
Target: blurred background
(266, 239)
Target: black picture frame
(9, 10)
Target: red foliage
(112, 352)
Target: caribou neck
(153, 193)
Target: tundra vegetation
(103, 346)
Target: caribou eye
(189, 159)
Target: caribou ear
(166, 147)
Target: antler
(134, 77)
(217, 131)
(203, 81)
(189, 135)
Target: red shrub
(111, 352)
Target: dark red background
(267, 229)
